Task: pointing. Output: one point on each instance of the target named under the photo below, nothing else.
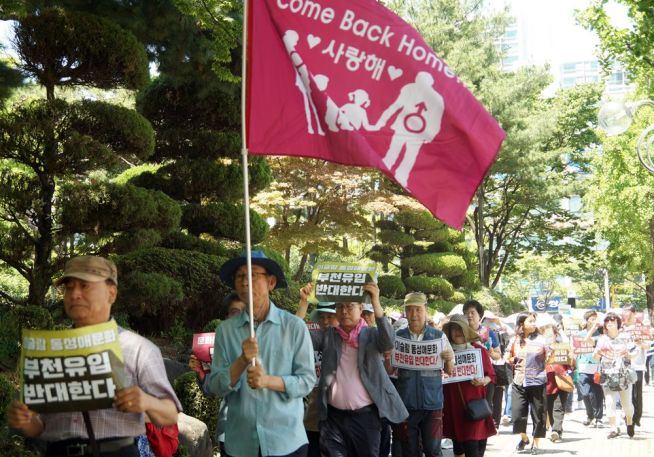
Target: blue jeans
(422, 426)
(507, 400)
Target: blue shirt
(262, 418)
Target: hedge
(437, 264)
(433, 286)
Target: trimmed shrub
(444, 306)
(433, 286)
(434, 236)
(150, 293)
(391, 286)
(396, 238)
(29, 317)
(437, 264)
(223, 220)
(458, 297)
(7, 394)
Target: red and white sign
(352, 83)
(203, 346)
(417, 355)
(467, 365)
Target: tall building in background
(545, 32)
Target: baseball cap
(368, 307)
(89, 268)
(415, 299)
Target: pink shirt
(347, 391)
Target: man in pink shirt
(355, 391)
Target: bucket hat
(229, 268)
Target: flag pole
(244, 155)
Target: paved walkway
(581, 441)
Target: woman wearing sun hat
(468, 437)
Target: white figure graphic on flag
(419, 109)
(350, 116)
(302, 81)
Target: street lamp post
(616, 117)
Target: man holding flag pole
(356, 60)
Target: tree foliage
(317, 207)
(632, 45)
(427, 263)
(49, 146)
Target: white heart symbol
(394, 72)
(321, 81)
(313, 41)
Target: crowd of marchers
(333, 390)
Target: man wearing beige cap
(90, 289)
(422, 390)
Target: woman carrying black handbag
(466, 398)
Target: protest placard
(203, 346)
(312, 326)
(76, 369)
(640, 332)
(467, 365)
(417, 355)
(341, 282)
(561, 354)
(582, 346)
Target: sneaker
(554, 437)
(630, 430)
(446, 443)
(587, 422)
(599, 423)
(521, 445)
(534, 450)
(506, 420)
(613, 434)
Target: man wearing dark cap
(90, 289)
(265, 407)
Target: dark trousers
(351, 433)
(314, 444)
(556, 410)
(525, 400)
(592, 395)
(469, 448)
(498, 397)
(490, 394)
(385, 439)
(637, 398)
(422, 427)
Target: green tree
(632, 45)
(429, 256)
(52, 149)
(517, 207)
(317, 208)
(620, 196)
(543, 160)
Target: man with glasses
(264, 399)
(90, 289)
(355, 390)
(422, 390)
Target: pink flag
(350, 82)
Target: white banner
(467, 365)
(417, 355)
